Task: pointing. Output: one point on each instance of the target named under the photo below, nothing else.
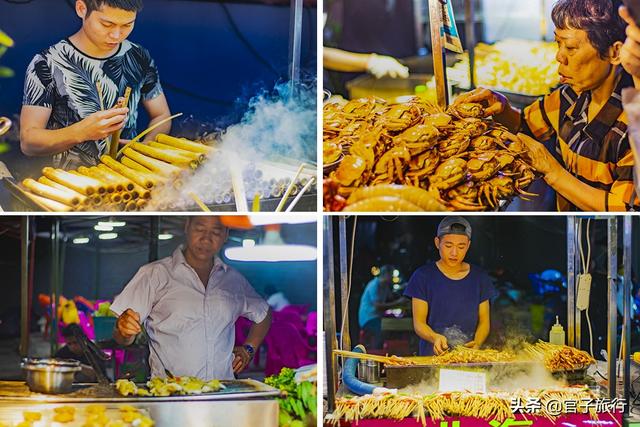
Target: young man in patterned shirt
(63, 114)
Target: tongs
(92, 352)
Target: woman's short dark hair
(598, 18)
(128, 5)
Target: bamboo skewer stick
(289, 188)
(199, 202)
(147, 130)
(395, 360)
(300, 194)
(237, 183)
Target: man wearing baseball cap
(450, 297)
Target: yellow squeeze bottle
(556, 335)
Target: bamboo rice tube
(61, 196)
(80, 184)
(156, 166)
(130, 206)
(139, 178)
(108, 188)
(50, 204)
(115, 138)
(115, 198)
(199, 157)
(142, 192)
(131, 195)
(110, 185)
(184, 144)
(126, 182)
(126, 196)
(119, 182)
(84, 200)
(171, 157)
(141, 204)
(134, 165)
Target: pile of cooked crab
(415, 156)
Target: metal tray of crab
(415, 156)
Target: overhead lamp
(80, 240)
(396, 273)
(165, 236)
(103, 227)
(257, 220)
(272, 253)
(112, 223)
(107, 236)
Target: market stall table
(242, 402)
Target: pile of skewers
(492, 405)
(559, 358)
(119, 185)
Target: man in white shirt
(189, 303)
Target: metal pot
(51, 376)
(369, 371)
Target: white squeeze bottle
(556, 335)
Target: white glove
(381, 66)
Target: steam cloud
(278, 128)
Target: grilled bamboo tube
(165, 155)
(94, 172)
(115, 138)
(130, 206)
(84, 200)
(141, 204)
(134, 165)
(109, 188)
(156, 166)
(61, 196)
(184, 144)
(126, 196)
(184, 153)
(83, 185)
(49, 204)
(111, 174)
(139, 178)
(141, 192)
(115, 198)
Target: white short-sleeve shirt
(191, 327)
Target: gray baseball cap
(445, 226)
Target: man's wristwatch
(249, 349)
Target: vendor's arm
(258, 311)
(423, 330)
(341, 60)
(135, 302)
(484, 325)
(37, 140)
(630, 52)
(258, 331)
(158, 110)
(377, 65)
(496, 105)
(127, 327)
(584, 196)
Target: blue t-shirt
(453, 304)
(367, 310)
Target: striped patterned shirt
(596, 152)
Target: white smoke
(275, 135)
